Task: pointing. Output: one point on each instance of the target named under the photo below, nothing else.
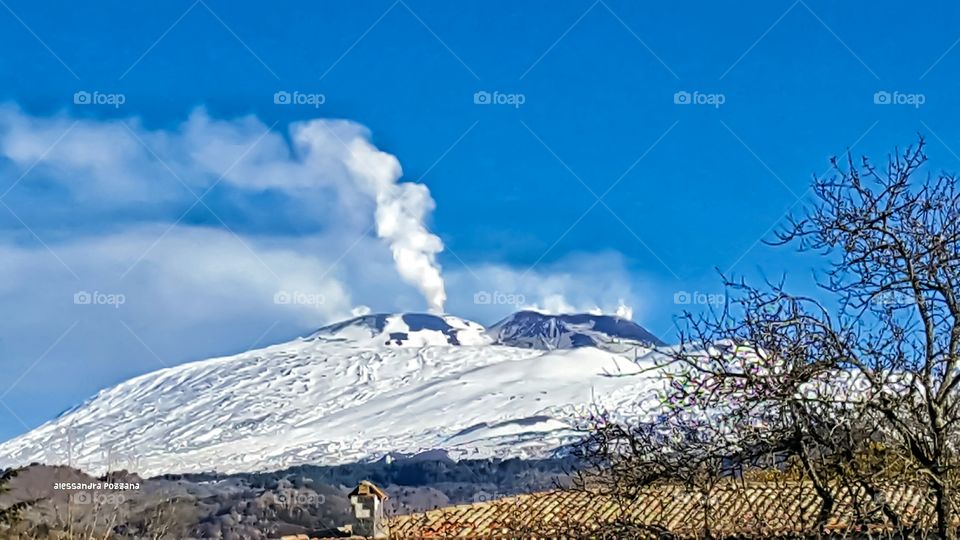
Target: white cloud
(192, 291)
(331, 175)
(190, 276)
(577, 283)
(123, 163)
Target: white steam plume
(334, 170)
(401, 206)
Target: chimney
(369, 520)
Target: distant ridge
(534, 330)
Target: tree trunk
(944, 502)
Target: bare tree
(853, 392)
(897, 278)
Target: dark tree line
(9, 514)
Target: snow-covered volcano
(405, 329)
(359, 390)
(534, 330)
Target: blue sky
(586, 185)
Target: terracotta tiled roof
(732, 509)
(367, 487)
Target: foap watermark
(84, 97)
(684, 97)
(300, 499)
(92, 498)
(883, 97)
(315, 100)
(892, 299)
(485, 496)
(697, 298)
(298, 298)
(497, 298)
(97, 298)
(482, 97)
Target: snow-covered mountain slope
(534, 330)
(353, 391)
(405, 329)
